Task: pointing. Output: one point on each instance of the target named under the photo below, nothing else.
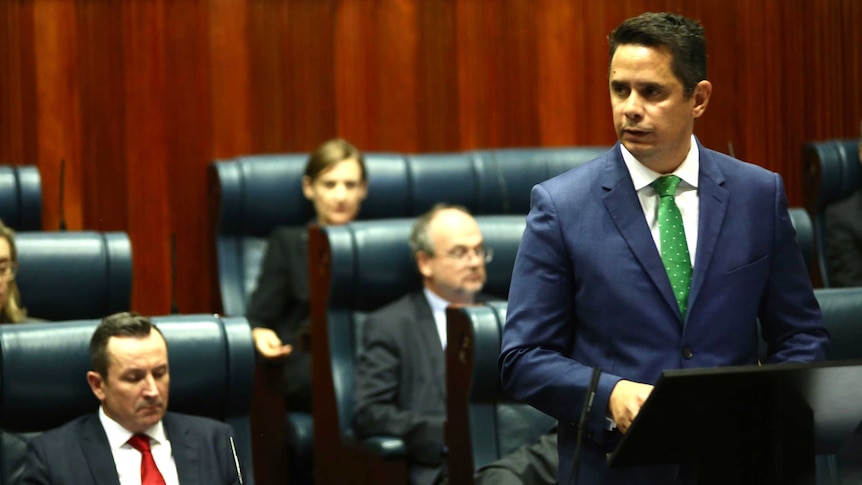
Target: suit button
(687, 352)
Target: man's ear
(423, 263)
(701, 95)
(94, 379)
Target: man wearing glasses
(401, 374)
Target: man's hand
(269, 345)
(626, 400)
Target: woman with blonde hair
(10, 298)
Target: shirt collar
(642, 175)
(119, 436)
(435, 301)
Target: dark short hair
(124, 324)
(682, 36)
(420, 239)
(329, 153)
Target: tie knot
(666, 186)
(140, 442)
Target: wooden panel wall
(137, 97)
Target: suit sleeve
(789, 314)
(268, 302)
(376, 391)
(35, 468)
(541, 325)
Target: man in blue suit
(132, 438)
(592, 285)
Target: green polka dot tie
(674, 249)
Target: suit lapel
(97, 452)
(185, 455)
(427, 329)
(713, 206)
(624, 208)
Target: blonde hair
(11, 312)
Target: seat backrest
(43, 378)
(483, 423)
(74, 275)
(831, 172)
(252, 195)
(21, 197)
(842, 317)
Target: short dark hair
(331, 152)
(124, 324)
(682, 36)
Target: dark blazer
(400, 384)
(589, 290)
(78, 452)
(844, 236)
(281, 302)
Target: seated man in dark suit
(132, 439)
(844, 230)
(401, 374)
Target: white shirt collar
(642, 175)
(119, 436)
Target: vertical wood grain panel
(356, 73)
(58, 110)
(394, 93)
(229, 77)
(149, 218)
(436, 79)
(309, 88)
(189, 133)
(103, 137)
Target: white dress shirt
(687, 198)
(128, 460)
(438, 309)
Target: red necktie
(150, 474)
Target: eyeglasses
(8, 271)
(462, 254)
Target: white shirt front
(438, 309)
(687, 197)
(128, 460)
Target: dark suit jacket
(281, 302)
(400, 385)
(589, 290)
(844, 236)
(78, 453)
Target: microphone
(62, 179)
(235, 459)
(175, 308)
(582, 421)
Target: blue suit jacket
(589, 290)
(78, 452)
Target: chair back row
(21, 197)
(74, 275)
(831, 171)
(252, 195)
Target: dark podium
(746, 424)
